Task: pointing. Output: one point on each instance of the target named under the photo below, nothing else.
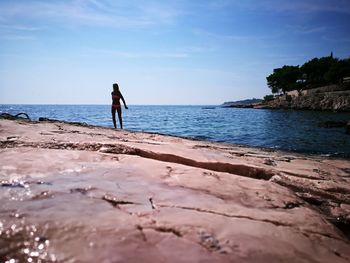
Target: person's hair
(115, 86)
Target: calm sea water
(278, 129)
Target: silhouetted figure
(116, 96)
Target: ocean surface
(278, 129)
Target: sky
(193, 52)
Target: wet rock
(14, 183)
(44, 119)
(8, 116)
(83, 191)
(101, 195)
(22, 242)
(43, 195)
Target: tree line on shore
(314, 73)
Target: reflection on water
(22, 242)
(280, 129)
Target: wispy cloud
(197, 49)
(19, 27)
(305, 30)
(219, 4)
(344, 39)
(284, 6)
(176, 53)
(18, 32)
(92, 12)
(233, 37)
(303, 6)
(13, 37)
(133, 55)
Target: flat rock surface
(72, 193)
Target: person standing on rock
(116, 96)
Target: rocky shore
(329, 98)
(79, 193)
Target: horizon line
(97, 104)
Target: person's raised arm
(121, 96)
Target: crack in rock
(197, 209)
(115, 202)
(276, 223)
(309, 177)
(296, 187)
(163, 229)
(291, 205)
(237, 169)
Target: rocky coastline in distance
(328, 98)
(248, 103)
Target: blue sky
(160, 52)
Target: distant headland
(248, 103)
(319, 84)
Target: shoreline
(105, 191)
(287, 151)
(262, 107)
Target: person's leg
(119, 109)
(113, 117)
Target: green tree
(268, 98)
(338, 70)
(274, 81)
(284, 79)
(316, 69)
(314, 73)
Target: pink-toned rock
(70, 193)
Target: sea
(296, 131)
